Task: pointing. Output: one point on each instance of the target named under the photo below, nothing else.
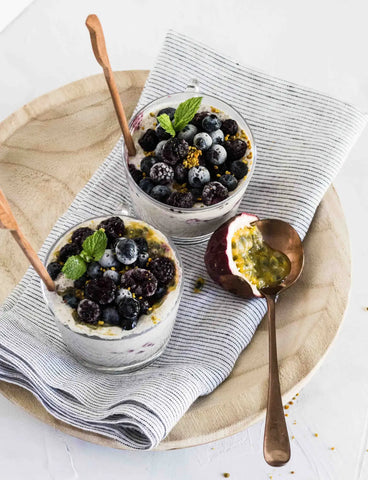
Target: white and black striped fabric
(302, 138)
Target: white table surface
(321, 44)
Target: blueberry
(180, 173)
(146, 184)
(181, 200)
(160, 193)
(88, 311)
(142, 244)
(236, 149)
(123, 293)
(216, 155)
(54, 268)
(148, 140)
(68, 250)
(146, 164)
(135, 173)
(128, 323)
(129, 309)
(126, 251)
(160, 292)
(228, 181)
(174, 150)
(100, 290)
(239, 169)
(109, 259)
(202, 141)
(188, 133)
(94, 270)
(217, 136)
(81, 234)
(144, 304)
(111, 315)
(142, 259)
(71, 300)
(229, 127)
(162, 134)
(198, 176)
(162, 173)
(210, 123)
(159, 148)
(113, 274)
(168, 110)
(80, 282)
(214, 192)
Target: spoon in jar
(282, 237)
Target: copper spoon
(279, 236)
(99, 49)
(8, 222)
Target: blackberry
(88, 311)
(162, 134)
(163, 268)
(126, 251)
(239, 169)
(228, 181)
(229, 127)
(160, 193)
(198, 176)
(147, 163)
(68, 250)
(142, 244)
(181, 200)
(111, 315)
(114, 228)
(198, 118)
(235, 149)
(210, 123)
(80, 282)
(161, 173)
(174, 150)
(71, 300)
(94, 270)
(140, 281)
(148, 140)
(169, 111)
(214, 192)
(81, 234)
(180, 173)
(135, 173)
(100, 290)
(54, 268)
(146, 185)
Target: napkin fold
(302, 140)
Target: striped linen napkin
(303, 138)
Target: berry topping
(162, 173)
(144, 307)
(229, 127)
(160, 292)
(217, 136)
(162, 134)
(198, 118)
(159, 148)
(198, 176)
(214, 192)
(101, 290)
(54, 268)
(140, 281)
(180, 173)
(196, 192)
(136, 174)
(114, 228)
(142, 260)
(181, 200)
(239, 169)
(160, 193)
(122, 293)
(126, 251)
(146, 164)
(129, 309)
(163, 269)
(216, 155)
(80, 282)
(128, 323)
(169, 111)
(142, 244)
(88, 311)
(148, 140)
(81, 234)
(111, 315)
(228, 181)
(235, 149)
(109, 259)
(68, 250)
(114, 275)
(188, 133)
(146, 184)
(202, 141)
(175, 150)
(210, 123)
(71, 300)
(94, 270)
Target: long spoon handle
(7, 221)
(99, 49)
(276, 445)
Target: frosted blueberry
(123, 293)
(160, 146)
(108, 259)
(202, 141)
(113, 274)
(188, 133)
(216, 155)
(198, 176)
(217, 136)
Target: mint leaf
(166, 124)
(185, 112)
(94, 246)
(74, 267)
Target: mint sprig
(94, 247)
(183, 115)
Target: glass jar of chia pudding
(211, 204)
(118, 315)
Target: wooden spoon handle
(276, 445)
(99, 49)
(8, 222)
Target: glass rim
(191, 209)
(45, 292)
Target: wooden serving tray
(50, 148)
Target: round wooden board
(51, 147)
